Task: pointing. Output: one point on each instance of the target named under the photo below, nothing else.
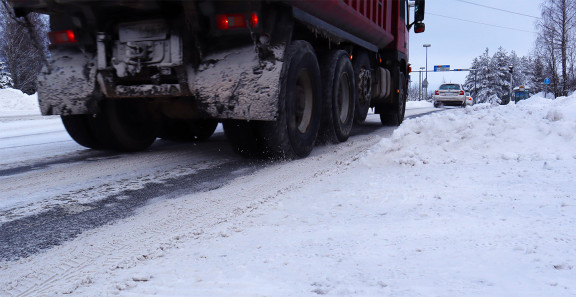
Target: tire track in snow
(29, 235)
(160, 227)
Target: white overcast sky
(456, 42)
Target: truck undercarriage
(278, 75)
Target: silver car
(450, 94)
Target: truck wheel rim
(343, 98)
(304, 98)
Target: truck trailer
(279, 75)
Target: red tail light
(253, 20)
(235, 21)
(461, 92)
(437, 93)
(62, 37)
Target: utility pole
(426, 79)
(511, 70)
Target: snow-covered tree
(500, 73)
(479, 82)
(5, 78)
(23, 45)
(537, 74)
(491, 80)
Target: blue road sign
(441, 68)
(547, 81)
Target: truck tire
(243, 137)
(294, 133)
(124, 125)
(339, 88)
(187, 130)
(363, 71)
(393, 113)
(78, 127)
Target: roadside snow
(15, 103)
(469, 202)
(418, 104)
(478, 201)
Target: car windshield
(449, 87)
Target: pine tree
(491, 80)
(480, 80)
(500, 73)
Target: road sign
(425, 84)
(460, 70)
(441, 68)
(547, 81)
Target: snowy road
(53, 189)
(465, 202)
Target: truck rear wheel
(121, 125)
(127, 125)
(393, 114)
(339, 89)
(78, 127)
(363, 72)
(294, 133)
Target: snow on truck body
(176, 64)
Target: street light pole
(420, 86)
(426, 79)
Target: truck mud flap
(68, 87)
(236, 84)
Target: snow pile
(15, 103)
(537, 130)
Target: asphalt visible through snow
(25, 233)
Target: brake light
(461, 92)
(253, 20)
(62, 37)
(437, 93)
(235, 21)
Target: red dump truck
(280, 76)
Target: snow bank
(537, 129)
(418, 104)
(15, 103)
